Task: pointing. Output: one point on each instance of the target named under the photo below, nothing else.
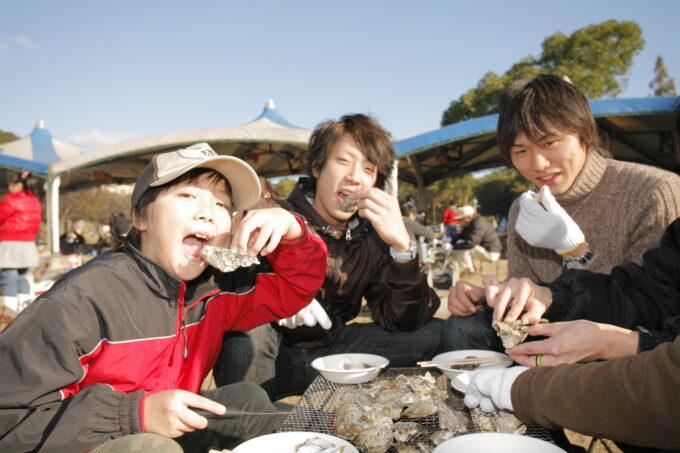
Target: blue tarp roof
(14, 163)
(487, 124)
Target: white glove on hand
(490, 389)
(546, 224)
(311, 315)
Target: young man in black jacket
(370, 257)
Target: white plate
(496, 443)
(330, 367)
(286, 442)
(451, 373)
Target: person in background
(449, 221)
(588, 211)
(370, 257)
(477, 240)
(112, 357)
(416, 230)
(20, 216)
(72, 242)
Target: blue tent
(638, 130)
(39, 146)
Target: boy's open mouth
(193, 244)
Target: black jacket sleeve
(40, 355)
(646, 295)
(399, 297)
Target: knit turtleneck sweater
(622, 209)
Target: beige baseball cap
(166, 167)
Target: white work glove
(311, 315)
(546, 224)
(490, 389)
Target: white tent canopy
(270, 144)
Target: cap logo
(197, 153)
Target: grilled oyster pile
(384, 414)
(225, 260)
(511, 333)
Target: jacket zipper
(183, 325)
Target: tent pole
(53, 183)
(420, 183)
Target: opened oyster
(349, 204)
(318, 445)
(225, 260)
(511, 333)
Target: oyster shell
(225, 260)
(420, 409)
(450, 420)
(511, 333)
(405, 431)
(438, 437)
(376, 439)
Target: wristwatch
(577, 262)
(408, 255)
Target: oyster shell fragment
(225, 260)
(511, 333)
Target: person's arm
(630, 399)
(398, 295)
(661, 207)
(633, 295)
(44, 352)
(298, 271)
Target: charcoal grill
(315, 412)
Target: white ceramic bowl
(331, 367)
(451, 373)
(496, 443)
(286, 442)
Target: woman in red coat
(20, 215)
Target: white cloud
(23, 41)
(93, 139)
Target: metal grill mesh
(315, 412)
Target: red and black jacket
(77, 363)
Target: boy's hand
(261, 230)
(168, 412)
(517, 298)
(382, 210)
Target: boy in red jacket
(112, 357)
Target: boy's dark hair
(536, 107)
(453, 201)
(373, 141)
(27, 181)
(140, 211)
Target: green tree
(662, 84)
(284, 187)
(7, 137)
(496, 191)
(596, 59)
(94, 204)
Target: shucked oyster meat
(225, 260)
(511, 333)
(349, 204)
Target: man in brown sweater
(547, 131)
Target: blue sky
(99, 71)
